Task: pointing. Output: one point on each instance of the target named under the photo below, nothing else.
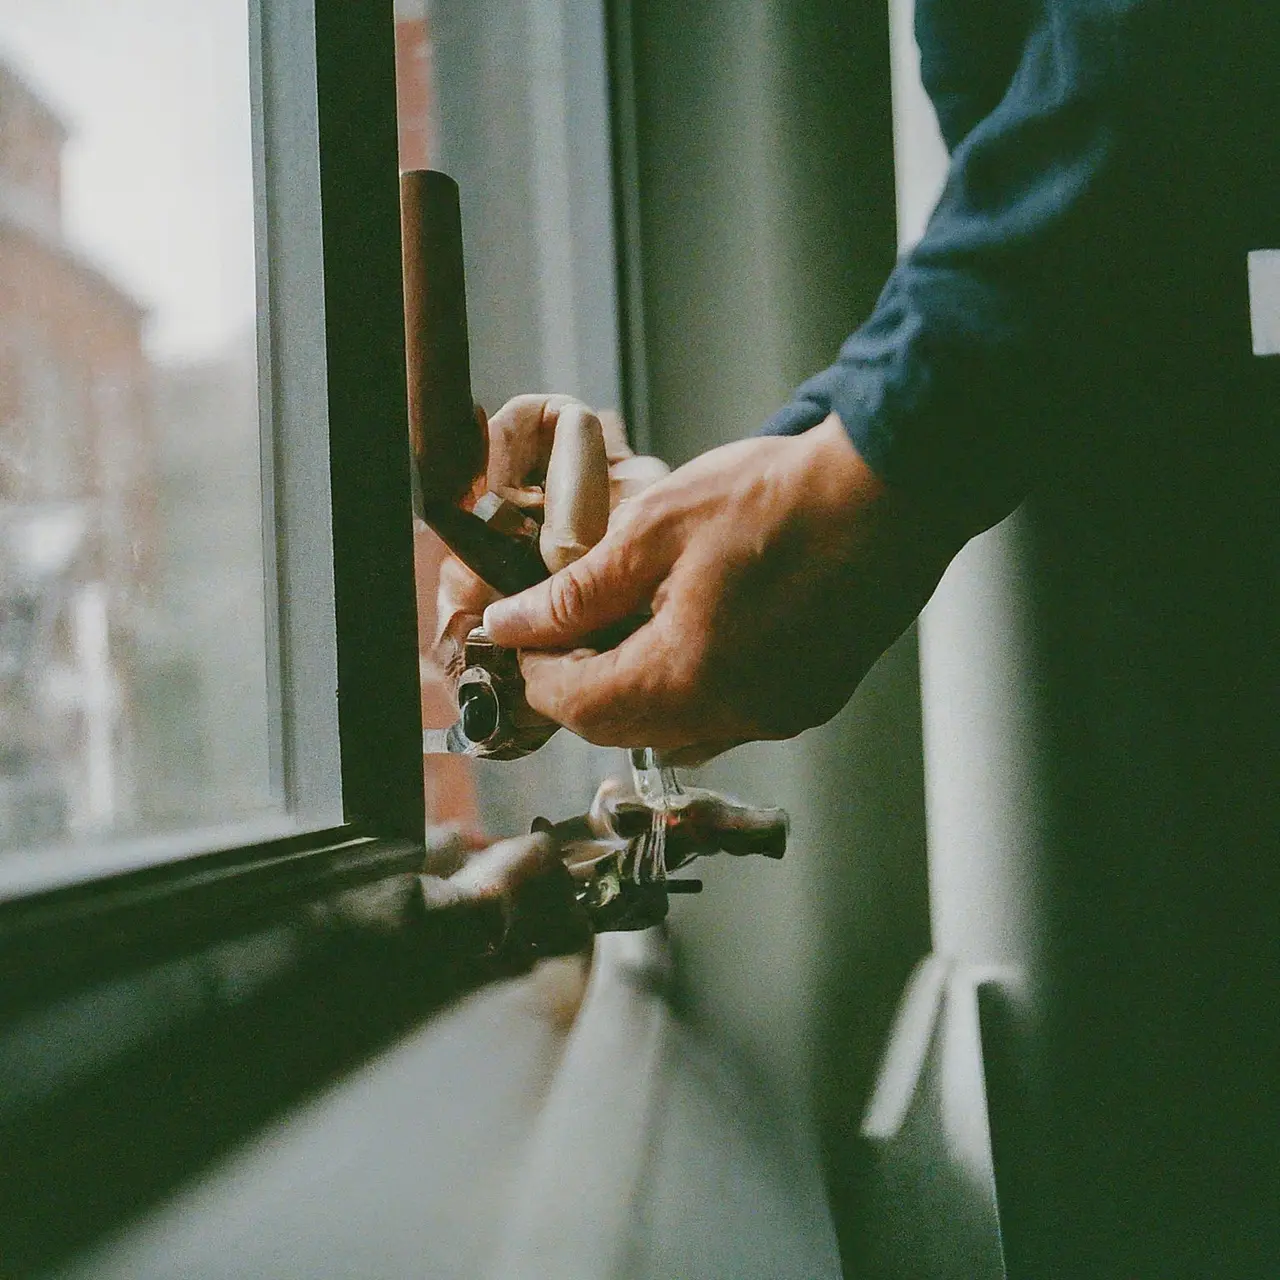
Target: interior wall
(538, 239)
(982, 742)
(766, 227)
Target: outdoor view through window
(133, 686)
(449, 781)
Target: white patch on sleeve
(1264, 301)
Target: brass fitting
(495, 722)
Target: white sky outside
(157, 175)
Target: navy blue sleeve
(969, 51)
(943, 388)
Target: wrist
(834, 471)
(849, 488)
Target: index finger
(624, 697)
(608, 584)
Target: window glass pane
(449, 780)
(511, 101)
(133, 666)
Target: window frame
(337, 515)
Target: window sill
(53, 940)
(24, 872)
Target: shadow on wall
(766, 227)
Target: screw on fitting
(479, 711)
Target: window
(206, 598)
(211, 641)
(494, 105)
(135, 687)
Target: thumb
(591, 593)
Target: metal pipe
(450, 448)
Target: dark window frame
(220, 892)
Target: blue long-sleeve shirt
(1112, 163)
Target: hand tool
(618, 854)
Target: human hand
(521, 438)
(513, 898)
(776, 569)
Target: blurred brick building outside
(132, 681)
(132, 636)
(77, 510)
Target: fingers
(619, 698)
(448, 653)
(576, 508)
(646, 691)
(461, 598)
(459, 590)
(616, 444)
(521, 434)
(614, 700)
(698, 753)
(614, 580)
(522, 431)
(632, 475)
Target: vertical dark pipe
(448, 445)
(449, 448)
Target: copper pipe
(449, 448)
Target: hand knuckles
(567, 598)
(645, 509)
(530, 404)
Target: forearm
(949, 387)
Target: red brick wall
(72, 364)
(31, 139)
